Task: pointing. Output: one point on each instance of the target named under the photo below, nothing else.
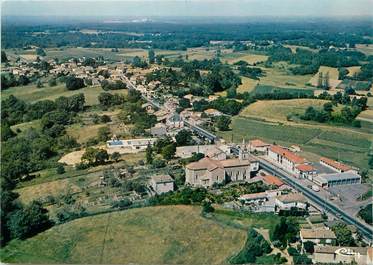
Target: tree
(89, 155)
(29, 221)
(184, 103)
(103, 134)
(149, 154)
(343, 234)
(4, 58)
(39, 84)
(115, 156)
(52, 82)
(60, 169)
(151, 56)
(40, 52)
(74, 83)
(184, 137)
(207, 207)
(168, 152)
(309, 247)
(6, 132)
(101, 156)
(223, 123)
(328, 107)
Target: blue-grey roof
(338, 176)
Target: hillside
(156, 235)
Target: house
(295, 148)
(162, 183)
(341, 255)
(132, 144)
(319, 236)
(285, 158)
(174, 121)
(336, 166)
(272, 180)
(292, 200)
(260, 202)
(158, 130)
(207, 171)
(148, 107)
(258, 145)
(345, 178)
(213, 113)
(305, 171)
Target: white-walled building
(162, 183)
(319, 236)
(134, 144)
(291, 200)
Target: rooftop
(258, 143)
(287, 154)
(320, 233)
(162, 178)
(338, 176)
(292, 197)
(272, 180)
(334, 249)
(210, 164)
(335, 164)
(253, 196)
(305, 168)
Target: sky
(200, 8)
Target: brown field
(352, 70)
(82, 133)
(249, 58)
(247, 85)
(333, 76)
(365, 48)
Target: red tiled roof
(258, 143)
(272, 180)
(305, 168)
(287, 154)
(335, 164)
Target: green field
(31, 93)
(335, 143)
(156, 235)
(278, 110)
(264, 89)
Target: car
(315, 188)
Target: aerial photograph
(186, 132)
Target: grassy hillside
(31, 93)
(157, 235)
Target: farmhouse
(213, 112)
(345, 178)
(319, 236)
(336, 166)
(335, 254)
(293, 200)
(162, 183)
(207, 171)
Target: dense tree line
(180, 35)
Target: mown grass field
(156, 235)
(31, 93)
(333, 76)
(264, 89)
(365, 48)
(278, 110)
(248, 85)
(279, 76)
(250, 58)
(334, 142)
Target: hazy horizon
(189, 8)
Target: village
(216, 164)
